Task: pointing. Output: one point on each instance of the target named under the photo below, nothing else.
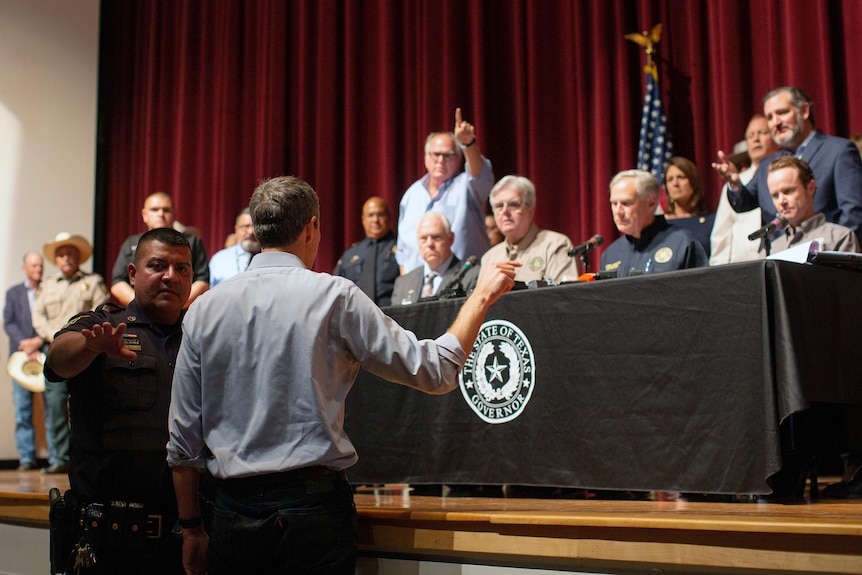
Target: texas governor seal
(498, 378)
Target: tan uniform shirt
(59, 298)
(541, 253)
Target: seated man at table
(650, 243)
(440, 271)
(792, 187)
(542, 253)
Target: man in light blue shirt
(461, 195)
(259, 389)
(235, 259)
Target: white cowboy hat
(740, 155)
(27, 372)
(66, 239)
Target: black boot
(846, 489)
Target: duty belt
(121, 520)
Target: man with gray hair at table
(649, 244)
(441, 271)
(543, 254)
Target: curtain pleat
(204, 98)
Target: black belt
(301, 474)
(120, 516)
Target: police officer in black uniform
(371, 264)
(120, 363)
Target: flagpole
(654, 147)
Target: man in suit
(436, 276)
(835, 162)
(18, 323)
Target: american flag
(655, 147)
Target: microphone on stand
(587, 246)
(779, 223)
(455, 287)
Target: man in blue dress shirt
(235, 259)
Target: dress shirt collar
(805, 142)
(29, 289)
(426, 181)
(441, 269)
(71, 279)
(275, 260)
(525, 242)
(806, 226)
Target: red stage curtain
(204, 98)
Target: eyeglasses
(445, 156)
(514, 206)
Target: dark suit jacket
(838, 172)
(17, 319)
(408, 287)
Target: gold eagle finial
(647, 40)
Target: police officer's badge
(536, 264)
(663, 255)
(498, 378)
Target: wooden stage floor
(608, 536)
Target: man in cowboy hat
(18, 323)
(60, 297)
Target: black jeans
(304, 526)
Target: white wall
(48, 96)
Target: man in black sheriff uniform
(120, 364)
(649, 244)
(370, 263)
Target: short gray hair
(451, 135)
(520, 183)
(447, 227)
(646, 184)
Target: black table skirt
(675, 381)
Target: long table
(671, 382)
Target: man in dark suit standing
(438, 274)
(835, 162)
(18, 323)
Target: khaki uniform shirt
(541, 253)
(59, 298)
